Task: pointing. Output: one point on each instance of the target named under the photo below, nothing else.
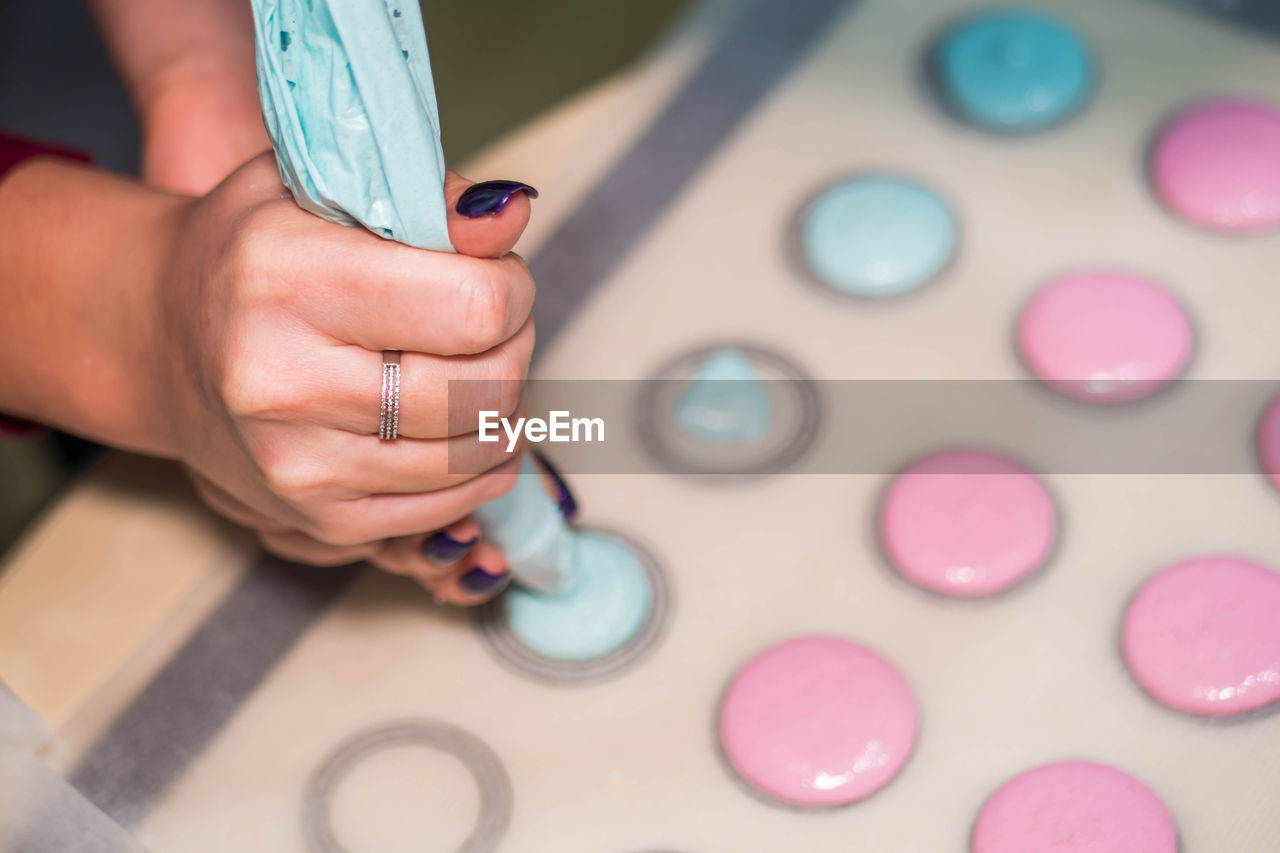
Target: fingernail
(442, 548)
(564, 498)
(478, 581)
(489, 198)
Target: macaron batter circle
(1203, 636)
(1013, 71)
(1216, 164)
(817, 721)
(877, 235)
(727, 411)
(607, 602)
(967, 523)
(1105, 337)
(1074, 807)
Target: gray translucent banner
(862, 427)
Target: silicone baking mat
(320, 711)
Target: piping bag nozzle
(527, 526)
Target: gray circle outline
(508, 649)
(649, 419)
(491, 779)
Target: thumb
(486, 219)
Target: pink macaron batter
(967, 523)
(1203, 636)
(1074, 807)
(818, 721)
(1104, 336)
(1216, 164)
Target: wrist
(201, 120)
(83, 254)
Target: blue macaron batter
(878, 235)
(1013, 71)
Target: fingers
(335, 466)
(230, 507)
(377, 294)
(479, 577)
(439, 396)
(557, 488)
(483, 574)
(387, 516)
(300, 548)
(446, 547)
(463, 568)
(490, 219)
(360, 289)
(406, 299)
(453, 563)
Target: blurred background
(497, 64)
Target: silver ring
(389, 417)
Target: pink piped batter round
(1203, 636)
(1074, 807)
(818, 721)
(1217, 165)
(1104, 337)
(1269, 442)
(967, 523)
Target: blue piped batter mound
(1014, 71)
(725, 402)
(879, 235)
(608, 599)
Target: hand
(201, 123)
(189, 68)
(273, 323)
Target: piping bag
(350, 106)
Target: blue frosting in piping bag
(349, 103)
(350, 106)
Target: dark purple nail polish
(478, 581)
(489, 198)
(443, 548)
(564, 498)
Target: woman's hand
(250, 347)
(275, 322)
(243, 336)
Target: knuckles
(256, 388)
(506, 375)
(485, 302)
(298, 478)
(262, 249)
(293, 480)
(495, 296)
